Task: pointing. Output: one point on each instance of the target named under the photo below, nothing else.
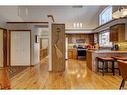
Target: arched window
(105, 15)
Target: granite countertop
(107, 51)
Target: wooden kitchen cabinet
(75, 54)
(91, 39)
(72, 54)
(89, 59)
(117, 33)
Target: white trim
(100, 23)
(50, 48)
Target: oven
(81, 53)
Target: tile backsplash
(122, 45)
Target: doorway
(20, 47)
(43, 47)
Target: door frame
(4, 47)
(10, 43)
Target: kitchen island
(92, 54)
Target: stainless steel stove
(81, 53)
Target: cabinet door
(121, 33)
(114, 34)
(70, 54)
(75, 54)
(91, 39)
(126, 31)
(117, 33)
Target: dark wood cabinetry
(91, 39)
(83, 38)
(117, 33)
(72, 54)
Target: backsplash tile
(122, 45)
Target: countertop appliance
(115, 47)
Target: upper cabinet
(80, 38)
(91, 39)
(117, 33)
(126, 31)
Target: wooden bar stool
(120, 58)
(123, 69)
(116, 58)
(105, 61)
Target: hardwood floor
(76, 76)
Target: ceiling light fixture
(77, 25)
(120, 13)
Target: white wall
(2, 23)
(35, 47)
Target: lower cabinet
(117, 33)
(89, 60)
(72, 54)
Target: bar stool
(120, 58)
(105, 61)
(116, 58)
(123, 69)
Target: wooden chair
(123, 69)
(119, 58)
(105, 61)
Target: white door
(20, 48)
(1, 48)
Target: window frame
(100, 39)
(100, 15)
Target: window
(104, 39)
(105, 15)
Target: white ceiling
(62, 14)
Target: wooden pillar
(58, 47)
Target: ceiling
(88, 15)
